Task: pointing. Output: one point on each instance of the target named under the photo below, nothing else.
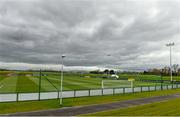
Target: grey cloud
(38, 32)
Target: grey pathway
(73, 111)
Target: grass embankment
(51, 104)
(167, 108)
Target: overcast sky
(35, 33)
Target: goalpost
(131, 80)
(117, 83)
(102, 84)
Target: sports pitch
(15, 81)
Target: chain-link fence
(12, 97)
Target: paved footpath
(74, 111)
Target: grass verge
(13, 107)
(167, 108)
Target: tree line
(106, 71)
(165, 71)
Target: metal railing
(15, 97)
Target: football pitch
(16, 81)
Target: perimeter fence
(15, 97)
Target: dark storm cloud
(134, 32)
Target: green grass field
(18, 81)
(165, 108)
(15, 81)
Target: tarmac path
(74, 111)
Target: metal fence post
(155, 87)
(102, 91)
(176, 86)
(89, 92)
(133, 90)
(148, 88)
(17, 96)
(58, 95)
(167, 87)
(172, 86)
(123, 90)
(74, 93)
(113, 91)
(141, 89)
(39, 97)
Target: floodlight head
(108, 55)
(170, 44)
(167, 45)
(63, 56)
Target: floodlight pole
(170, 47)
(81, 68)
(102, 84)
(40, 74)
(161, 79)
(109, 69)
(171, 61)
(61, 85)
